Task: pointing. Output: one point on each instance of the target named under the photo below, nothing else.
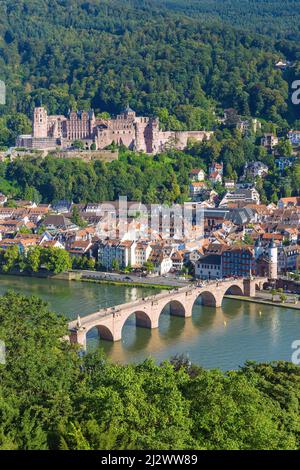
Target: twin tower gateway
(136, 133)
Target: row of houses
(202, 187)
(134, 242)
(267, 260)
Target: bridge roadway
(110, 321)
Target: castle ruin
(142, 134)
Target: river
(223, 338)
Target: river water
(223, 338)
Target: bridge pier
(78, 336)
(249, 287)
(117, 336)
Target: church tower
(273, 255)
(40, 123)
(258, 248)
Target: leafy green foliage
(176, 60)
(50, 397)
(39, 375)
(54, 260)
(162, 178)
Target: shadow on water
(233, 308)
(170, 326)
(203, 317)
(94, 342)
(134, 338)
(261, 315)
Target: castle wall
(40, 143)
(177, 139)
(56, 126)
(162, 140)
(143, 135)
(137, 133)
(183, 137)
(106, 137)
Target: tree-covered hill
(106, 54)
(276, 17)
(50, 398)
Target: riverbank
(96, 278)
(258, 300)
(131, 279)
(126, 283)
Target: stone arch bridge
(110, 321)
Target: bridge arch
(142, 319)
(207, 298)
(176, 308)
(234, 289)
(103, 332)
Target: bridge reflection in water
(149, 312)
(209, 335)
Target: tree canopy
(53, 398)
(162, 178)
(184, 61)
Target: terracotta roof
(177, 256)
(49, 243)
(215, 174)
(290, 200)
(274, 236)
(79, 247)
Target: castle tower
(273, 255)
(129, 113)
(155, 127)
(40, 123)
(141, 143)
(258, 249)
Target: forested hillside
(275, 17)
(106, 54)
(52, 398)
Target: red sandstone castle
(136, 133)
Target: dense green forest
(179, 57)
(163, 178)
(185, 61)
(275, 17)
(51, 397)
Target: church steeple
(128, 111)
